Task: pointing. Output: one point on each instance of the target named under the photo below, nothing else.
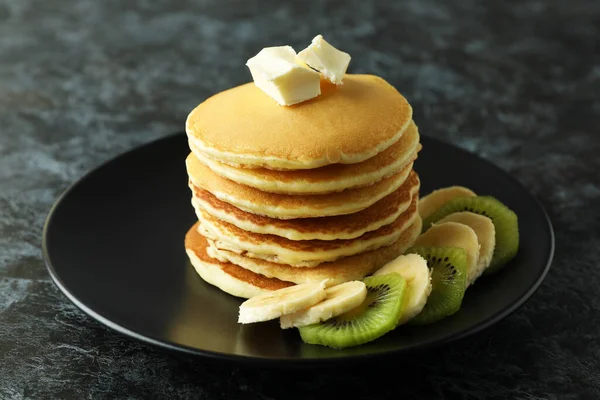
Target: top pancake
(327, 179)
(346, 124)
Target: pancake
(305, 253)
(328, 179)
(283, 206)
(349, 226)
(346, 124)
(342, 270)
(228, 277)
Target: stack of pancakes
(324, 189)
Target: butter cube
(326, 59)
(276, 72)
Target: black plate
(113, 243)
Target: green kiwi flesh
(505, 223)
(448, 280)
(377, 315)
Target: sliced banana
(413, 268)
(434, 200)
(340, 298)
(280, 302)
(453, 234)
(486, 235)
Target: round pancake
(345, 124)
(328, 179)
(228, 277)
(348, 226)
(339, 271)
(283, 206)
(305, 253)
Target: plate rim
(289, 361)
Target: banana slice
(486, 236)
(340, 298)
(280, 302)
(434, 200)
(413, 268)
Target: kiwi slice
(505, 223)
(378, 314)
(448, 281)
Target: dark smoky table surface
(516, 82)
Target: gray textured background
(515, 81)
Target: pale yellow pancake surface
(327, 179)
(283, 206)
(348, 226)
(345, 124)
